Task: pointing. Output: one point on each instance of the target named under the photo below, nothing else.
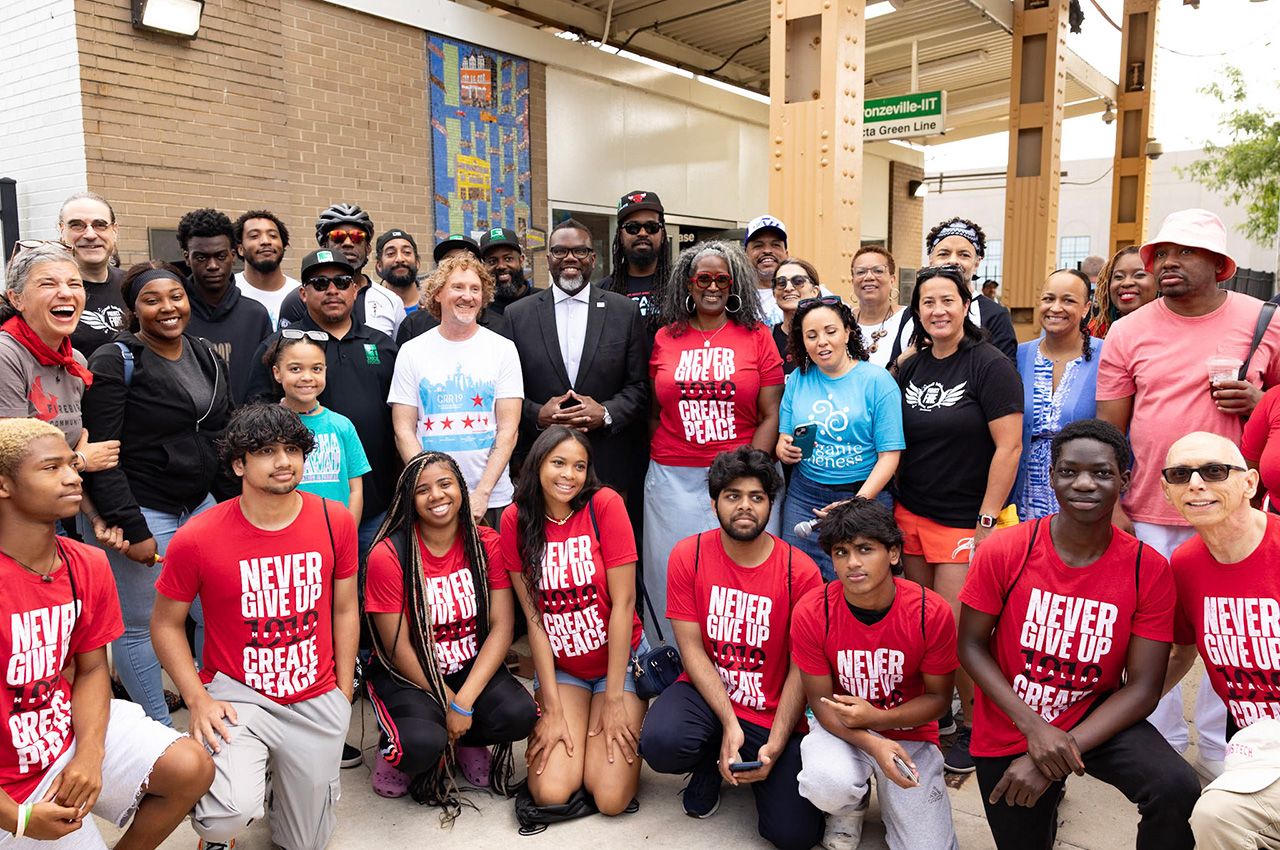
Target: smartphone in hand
(744, 766)
(803, 437)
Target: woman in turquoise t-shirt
(853, 411)
(335, 466)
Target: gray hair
(20, 267)
(86, 196)
(675, 301)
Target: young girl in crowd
(335, 467)
(877, 656)
(569, 546)
(439, 607)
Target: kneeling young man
(69, 751)
(877, 657)
(275, 572)
(730, 596)
(1228, 586)
(1054, 612)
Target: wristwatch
(986, 521)
(608, 420)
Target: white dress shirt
(571, 326)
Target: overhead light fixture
(938, 66)
(1109, 114)
(171, 17)
(917, 188)
(879, 10)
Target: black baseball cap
(637, 201)
(324, 257)
(499, 237)
(453, 242)
(396, 234)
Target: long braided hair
(1086, 350)
(661, 274)
(401, 527)
(531, 506)
(1104, 313)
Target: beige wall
(271, 106)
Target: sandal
(475, 763)
(173, 701)
(389, 781)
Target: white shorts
(134, 743)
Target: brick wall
(41, 121)
(906, 216)
(284, 104)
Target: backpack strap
(324, 503)
(922, 602)
(1035, 530)
(127, 354)
(1137, 568)
(1264, 319)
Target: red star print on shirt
(446, 423)
(427, 424)
(477, 400)
(468, 422)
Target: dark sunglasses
(1209, 472)
(633, 228)
(320, 283)
(824, 300)
(795, 281)
(355, 237)
(706, 280)
(315, 336)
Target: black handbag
(534, 818)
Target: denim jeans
(368, 528)
(805, 494)
(134, 656)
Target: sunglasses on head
(31, 244)
(340, 235)
(295, 333)
(633, 228)
(1209, 472)
(707, 280)
(320, 283)
(824, 300)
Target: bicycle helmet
(340, 214)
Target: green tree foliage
(1246, 169)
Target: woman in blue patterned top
(856, 409)
(1059, 377)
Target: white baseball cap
(1253, 759)
(765, 222)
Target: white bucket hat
(1253, 759)
(1195, 229)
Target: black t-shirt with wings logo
(946, 407)
(104, 314)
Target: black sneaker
(351, 757)
(958, 759)
(947, 725)
(701, 796)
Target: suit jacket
(613, 370)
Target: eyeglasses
(580, 252)
(707, 280)
(31, 244)
(340, 235)
(874, 271)
(633, 228)
(823, 300)
(1209, 472)
(315, 336)
(77, 226)
(795, 281)
(320, 283)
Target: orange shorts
(938, 544)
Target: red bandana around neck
(64, 356)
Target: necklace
(880, 333)
(706, 340)
(47, 577)
(305, 412)
(550, 518)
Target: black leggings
(1136, 761)
(413, 724)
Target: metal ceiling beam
(1089, 76)
(999, 11)
(664, 10)
(1000, 124)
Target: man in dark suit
(582, 352)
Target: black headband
(956, 227)
(135, 288)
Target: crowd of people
(755, 533)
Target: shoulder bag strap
(1264, 319)
(1035, 530)
(127, 353)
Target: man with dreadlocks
(439, 606)
(641, 254)
(275, 573)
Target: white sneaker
(844, 828)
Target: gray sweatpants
(834, 776)
(300, 743)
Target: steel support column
(1131, 173)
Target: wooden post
(815, 127)
(1131, 172)
(1036, 93)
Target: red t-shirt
(1231, 612)
(884, 663)
(267, 595)
(575, 601)
(41, 628)
(449, 588)
(744, 614)
(707, 393)
(1261, 441)
(1062, 637)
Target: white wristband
(24, 815)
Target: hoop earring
(689, 306)
(728, 300)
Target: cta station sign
(904, 116)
